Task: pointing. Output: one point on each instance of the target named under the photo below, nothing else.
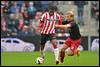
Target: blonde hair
(70, 13)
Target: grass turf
(86, 58)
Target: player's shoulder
(44, 13)
(73, 22)
(57, 13)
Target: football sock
(56, 52)
(62, 55)
(42, 54)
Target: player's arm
(41, 22)
(63, 26)
(59, 21)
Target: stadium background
(15, 22)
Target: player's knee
(71, 53)
(62, 50)
(53, 42)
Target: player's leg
(62, 52)
(74, 47)
(56, 50)
(63, 48)
(41, 50)
(43, 41)
(74, 51)
(77, 50)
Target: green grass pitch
(86, 58)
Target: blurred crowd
(95, 13)
(95, 10)
(21, 17)
(17, 16)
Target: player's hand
(56, 25)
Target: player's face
(69, 17)
(51, 12)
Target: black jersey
(74, 30)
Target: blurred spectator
(20, 24)
(97, 15)
(14, 8)
(13, 26)
(94, 8)
(55, 3)
(61, 2)
(37, 5)
(97, 20)
(31, 10)
(4, 31)
(6, 10)
(3, 4)
(1, 12)
(95, 45)
(80, 10)
(45, 5)
(32, 27)
(24, 11)
(38, 15)
(3, 23)
(14, 17)
(19, 3)
(25, 31)
(95, 12)
(17, 16)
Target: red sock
(55, 46)
(62, 55)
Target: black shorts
(45, 37)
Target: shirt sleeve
(42, 17)
(41, 22)
(59, 19)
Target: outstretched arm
(63, 26)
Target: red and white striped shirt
(47, 23)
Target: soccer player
(47, 29)
(73, 41)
